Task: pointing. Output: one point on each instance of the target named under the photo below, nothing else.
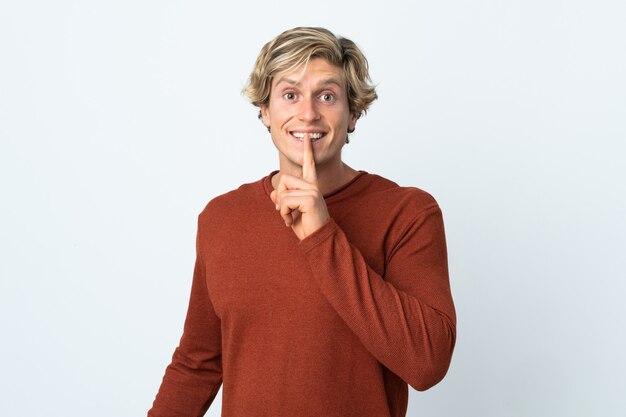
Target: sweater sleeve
(194, 376)
(405, 318)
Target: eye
(327, 97)
(289, 96)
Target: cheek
(276, 115)
(344, 121)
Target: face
(310, 102)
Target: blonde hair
(296, 47)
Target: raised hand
(299, 200)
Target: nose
(308, 110)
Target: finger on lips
(308, 162)
(290, 191)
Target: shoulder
(233, 201)
(400, 199)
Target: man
(318, 290)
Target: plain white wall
(119, 120)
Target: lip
(309, 130)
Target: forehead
(316, 71)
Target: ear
(265, 115)
(352, 121)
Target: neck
(329, 178)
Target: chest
(255, 268)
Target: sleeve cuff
(320, 235)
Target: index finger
(309, 173)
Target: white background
(119, 120)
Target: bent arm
(405, 319)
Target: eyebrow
(323, 83)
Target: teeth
(312, 135)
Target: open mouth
(312, 135)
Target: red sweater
(334, 325)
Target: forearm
(406, 320)
(187, 389)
